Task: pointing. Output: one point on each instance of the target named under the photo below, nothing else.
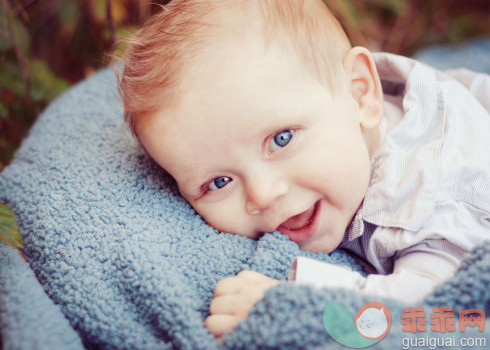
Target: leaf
(46, 85)
(99, 9)
(5, 37)
(13, 33)
(396, 6)
(350, 13)
(11, 77)
(69, 14)
(118, 11)
(9, 230)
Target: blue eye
(219, 182)
(280, 140)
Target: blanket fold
(28, 318)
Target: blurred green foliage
(48, 45)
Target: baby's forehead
(160, 55)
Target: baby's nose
(263, 196)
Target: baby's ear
(365, 86)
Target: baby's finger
(252, 275)
(229, 285)
(218, 325)
(231, 304)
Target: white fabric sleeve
(306, 271)
(415, 275)
(412, 279)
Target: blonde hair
(157, 55)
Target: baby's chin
(324, 244)
(316, 249)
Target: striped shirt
(428, 201)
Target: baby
(269, 120)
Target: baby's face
(256, 144)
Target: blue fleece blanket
(118, 260)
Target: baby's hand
(233, 298)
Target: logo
(442, 319)
(370, 324)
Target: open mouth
(302, 226)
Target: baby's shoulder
(465, 151)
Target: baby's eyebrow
(285, 121)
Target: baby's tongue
(298, 221)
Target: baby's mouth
(301, 220)
(301, 226)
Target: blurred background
(46, 46)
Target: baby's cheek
(225, 218)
